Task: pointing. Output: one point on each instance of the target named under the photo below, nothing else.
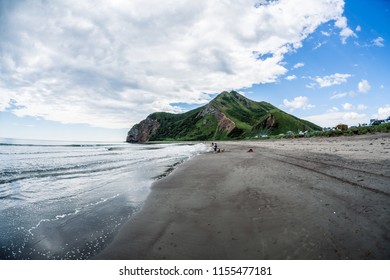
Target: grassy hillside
(250, 116)
(184, 126)
(286, 122)
(243, 111)
(228, 116)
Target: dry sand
(318, 198)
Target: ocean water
(61, 200)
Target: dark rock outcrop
(224, 123)
(143, 131)
(270, 122)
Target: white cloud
(331, 80)
(333, 110)
(378, 42)
(345, 32)
(348, 106)
(319, 45)
(311, 85)
(110, 63)
(382, 87)
(362, 107)
(299, 102)
(331, 119)
(298, 65)
(291, 77)
(327, 34)
(342, 95)
(352, 117)
(364, 86)
(358, 28)
(4, 100)
(383, 112)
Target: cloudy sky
(89, 70)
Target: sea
(63, 200)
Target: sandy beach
(315, 198)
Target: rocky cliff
(141, 132)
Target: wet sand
(317, 198)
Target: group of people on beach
(216, 149)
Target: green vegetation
(182, 127)
(382, 128)
(285, 122)
(243, 111)
(251, 117)
(228, 116)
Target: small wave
(115, 148)
(7, 196)
(13, 197)
(169, 170)
(75, 212)
(10, 176)
(152, 148)
(16, 175)
(57, 145)
(31, 153)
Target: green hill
(228, 116)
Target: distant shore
(304, 198)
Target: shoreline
(299, 198)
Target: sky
(89, 70)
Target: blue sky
(89, 70)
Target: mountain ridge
(229, 115)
